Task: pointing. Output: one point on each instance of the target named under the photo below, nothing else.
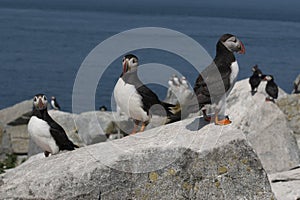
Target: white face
(40, 102)
(234, 45)
(268, 78)
(130, 64)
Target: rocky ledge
(256, 157)
(185, 160)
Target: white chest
(53, 104)
(129, 101)
(234, 72)
(39, 131)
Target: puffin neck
(40, 113)
(223, 54)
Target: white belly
(39, 131)
(234, 73)
(233, 77)
(129, 101)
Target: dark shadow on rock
(24, 119)
(197, 124)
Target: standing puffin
(135, 99)
(54, 103)
(271, 88)
(44, 131)
(227, 67)
(255, 79)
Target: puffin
(271, 88)
(135, 99)
(296, 89)
(227, 66)
(54, 103)
(46, 132)
(255, 79)
(103, 108)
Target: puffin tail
(173, 112)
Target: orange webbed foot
(223, 122)
(207, 118)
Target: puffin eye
(44, 97)
(35, 99)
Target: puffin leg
(222, 122)
(205, 116)
(270, 99)
(46, 153)
(136, 124)
(144, 124)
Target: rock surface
(265, 126)
(290, 106)
(177, 161)
(12, 113)
(286, 185)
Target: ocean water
(43, 43)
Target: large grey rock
(89, 125)
(12, 113)
(265, 127)
(286, 185)
(176, 161)
(290, 106)
(19, 138)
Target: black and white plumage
(255, 79)
(44, 131)
(271, 88)
(217, 80)
(135, 99)
(296, 89)
(54, 103)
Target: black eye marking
(45, 98)
(35, 99)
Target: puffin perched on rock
(296, 89)
(54, 103)
(271, 88)
(216, 81)
(255, 79)
(135, 99)
(44, 131)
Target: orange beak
(243, 50)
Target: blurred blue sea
(43, 43)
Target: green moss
(172, 171)
(187, 186)
(244, 161)
(8, 163)
(222, 170)
(217, 184)
(153, 176)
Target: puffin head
(268, 78)
(232, 43)
(40, 102)
(130, 63)
(254, 68)
(53, 98)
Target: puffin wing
(57, 105)
(61, 139)
(209, 81)
(60, 136)
(273, 90)
(149, 98)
